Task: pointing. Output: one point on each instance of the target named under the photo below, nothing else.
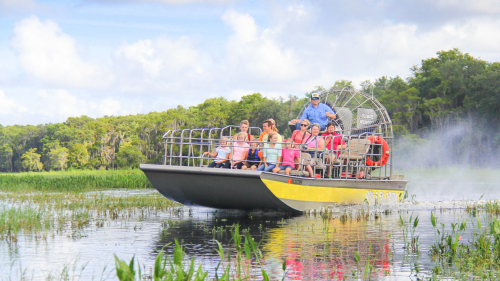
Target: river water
(311, 246)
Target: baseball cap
(315, 95)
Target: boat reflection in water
(312, 247)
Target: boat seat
(305, 158)
(356, 150)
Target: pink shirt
(240, 151)
(311, 143)
(289, 156)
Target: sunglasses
(315, 99)
(304, 125)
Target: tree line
(441, 91)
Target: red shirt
(298, 137)
(332, 145)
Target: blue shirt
(317, 114)
(272, 154)
(222, 153)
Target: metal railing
(186, 147)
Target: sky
(61, 59)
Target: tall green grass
(71, 182)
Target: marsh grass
(491, 207)
(35, 214)
(71, 182)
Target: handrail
(186, 147)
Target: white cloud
(109, 106)
(48, 105)
(161, 55)
(51, 56)
(161, 65)
(42, 93)
(255, 53)
(60, 103)
(286, 49)
(6, 104)
(485, 6)
(180, 2)
(17, 4)
(404, 45)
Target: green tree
(31, 160)
(6, 154)
(58, 156)
(129, 155)
(78, 156)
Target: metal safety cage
(359, 115)
(185, 147)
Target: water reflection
(347, 243)
(341, 246)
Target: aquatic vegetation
(409, 229)
(71, 182)
(476, 258)
(166, 268)
(490, 207)
(38, 212)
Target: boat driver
(316, 112)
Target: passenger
(316, 112)
(289, 155)
(314, 145)
(272, 154)
(267, 128)
(334, 142)
(221, 155)
(275, 129)
(299, 136)
(240, 150)
(253, 158)
(244, 125)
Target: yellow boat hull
(305, 193)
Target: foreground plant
(167, 269)
(480, 258)
(164, 269)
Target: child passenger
(244, 125)
(240, 150)
(221, 155)
(289, 155)
(253, 158)
(272, 154)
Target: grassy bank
(39, 213)
(78, 180)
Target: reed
(37, 213)
(71, 182)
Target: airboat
(361, 173)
